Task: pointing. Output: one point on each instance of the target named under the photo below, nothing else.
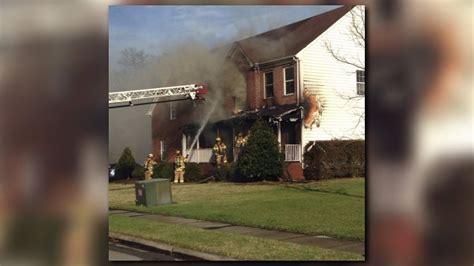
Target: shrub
(334, 159)
(260, 159)
(192, 173)
(138, 172)
(226, 172)
(164, 170)
(126, 164)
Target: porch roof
(279, 112)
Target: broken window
(360, 75)
(289, 80)
(207, 138)
(268, 84)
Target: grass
(333, 208)
(220, 243)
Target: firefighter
(238, 144)
(220, 151)
(179, 167)
(149, 163)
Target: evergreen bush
(226, 172)
(192, 173)
(334, 159)
(164, 170)
(126, 164)
(260, 159)
(138, 172)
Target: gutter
(273, 60)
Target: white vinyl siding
(335, 83)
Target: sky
(153, 28)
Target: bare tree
(132, 59)
(356, 31)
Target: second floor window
(289, 80)
(268, 84)
(360, 82)
(172, 110)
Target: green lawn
(334, 207)
(224, 244)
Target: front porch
(285, 120)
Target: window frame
(162, 150)
(265, 84)
(360, 83)
(173, 111)
(284, 81)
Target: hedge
(334, 159)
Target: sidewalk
(312, 240)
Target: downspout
(298, 89)
(298, 79)
(258, 88)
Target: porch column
(302, 140)
(197, 151)
(279, 135)
(183, 145)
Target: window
(172, 111)
(163, 149)
(289, 80)
(360, 82)
(207, 139)
(268, 84)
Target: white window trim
(173, 106)
(284, 80)
(358, 82)
(265, 85)
(162, 150)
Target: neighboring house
(292, 81)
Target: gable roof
(288, 40)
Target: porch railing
(292, 152)
(200, 156)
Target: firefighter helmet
(150, 155)
(218, 139)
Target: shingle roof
(290, 39)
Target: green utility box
(153, 192)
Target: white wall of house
(333, 81)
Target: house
(293, 81)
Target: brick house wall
(254, 96)
(163, 128)
(255, 87)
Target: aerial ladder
(157, 95)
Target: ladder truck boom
(151, 96)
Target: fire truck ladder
(151, 96)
